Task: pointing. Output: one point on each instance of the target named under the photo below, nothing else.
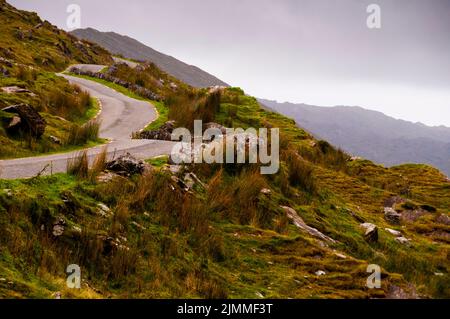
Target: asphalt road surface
(120, 116)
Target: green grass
(163, 113)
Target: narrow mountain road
(120, 117)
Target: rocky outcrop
(126, 165)
(16, 90)
(30, 120)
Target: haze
(301, 51)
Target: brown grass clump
(79, 135)
(79, 165)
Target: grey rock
(15, 123)
(31, 120)
(403, 240)
(103, 210)
(298, 221)
(126, 165)
(55, 140)
(164, 133)
(58, 227)
(371, 232)
(396, 233)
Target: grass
(80, 135)
(91, 113)
(161, 109)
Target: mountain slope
(372, 134)
(133, 49)
(220, 230)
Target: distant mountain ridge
(371, 134)
(133, 49)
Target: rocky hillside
(133, 49)
(373, 135)
(26, 39)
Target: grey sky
(313, 51)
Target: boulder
(392, 216)
(126, 165)
(31, 120)
(371, 232)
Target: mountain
(371, 134)
(133, 49)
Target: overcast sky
(319, 52)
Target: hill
(372, 135)
(31, 50)
(133, 49)
(215, 230)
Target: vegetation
(226, 239)
(227, 236)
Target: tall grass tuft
(99, 164)
(300, 171)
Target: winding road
(120, 116)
